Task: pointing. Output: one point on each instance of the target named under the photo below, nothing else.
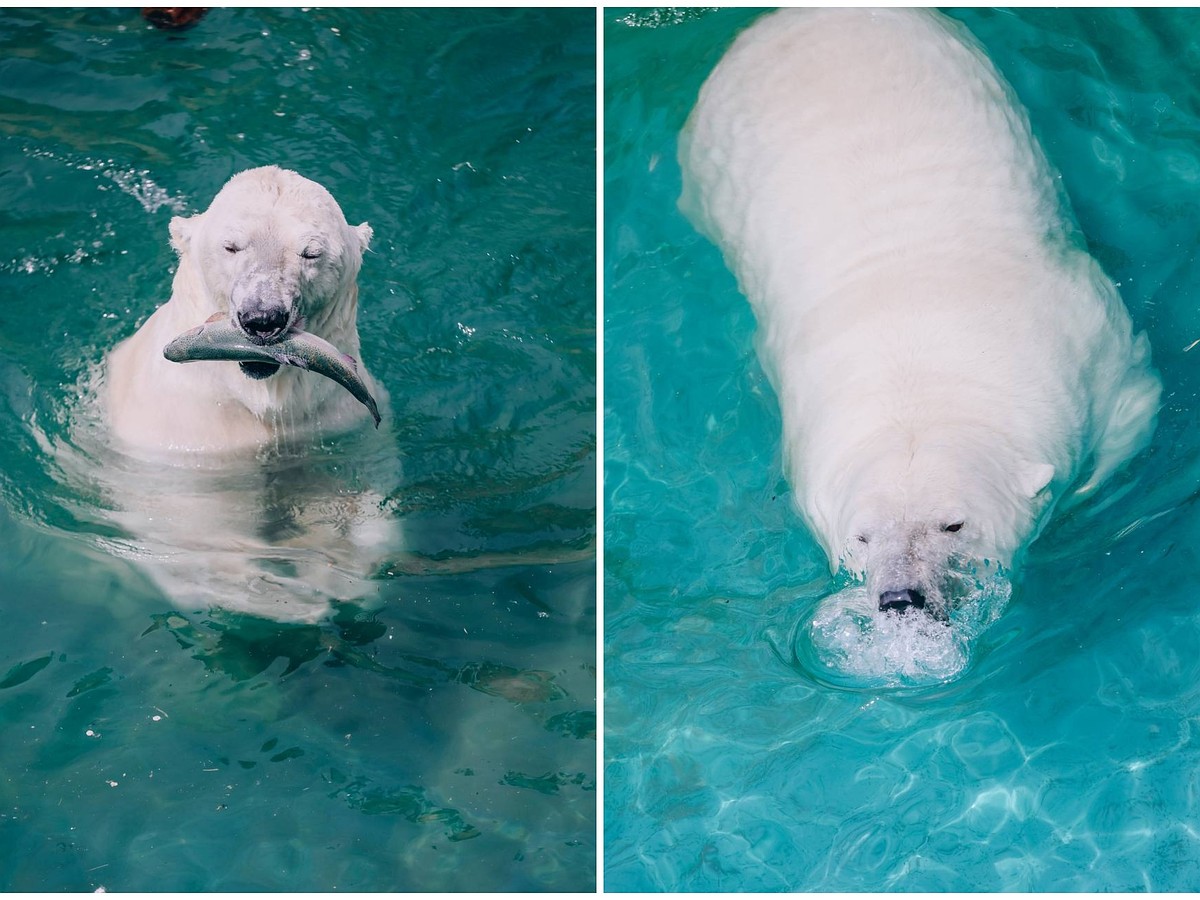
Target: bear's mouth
(259, 370)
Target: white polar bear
(949, 360)
(221, 491)
(272, 250)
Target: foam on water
(849, 642)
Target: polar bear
(271, 251)
(222, 487)
(950, 362)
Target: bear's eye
(311, 252)
(231, 247)
(861, 538)
(953, 527)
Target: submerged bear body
(950, 362)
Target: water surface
(1063, 755)
(437, 732)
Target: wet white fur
(218, 486)
(943, 348)
(273, 215)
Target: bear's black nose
(901, 601)
(263, 323)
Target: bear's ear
(181, 232)
(1035, 478)
(364, 233)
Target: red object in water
(173, 17)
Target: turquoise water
(437, 732)
(1064, 756)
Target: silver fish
(219, 339)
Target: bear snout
(264, 323)
(263, 303)
(901, 601)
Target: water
(1059, 751)
(438, 731)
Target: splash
(664, 16)
(91, 242)
(851, 643)
(136, 183)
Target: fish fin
(288, 360)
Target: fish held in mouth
(220, 340)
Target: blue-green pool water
(1066, 755)
(441, 736)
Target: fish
(220, 339)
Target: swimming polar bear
(223, 489)
(949, 361)
(272, 250)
